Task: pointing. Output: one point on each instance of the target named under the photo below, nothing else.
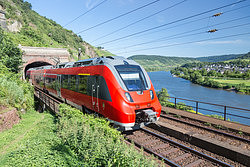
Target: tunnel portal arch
(41, 56)
(37, 62)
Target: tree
(163, 95)
(204, 72)
(212, 73)
(10, 55)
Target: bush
(94, 142)
(13, 91)
(10, 55)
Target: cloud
(220, 42)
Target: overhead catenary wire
(176, 36)
(185, 43)
(176, 21)
(85, 13)
(144, 18)
(124, 14)
(203, 18)
(198, 33)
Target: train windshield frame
(133, 77)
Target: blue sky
(186, 38)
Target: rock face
(8, 118)
(2, 18)
(89, 51)
(15, 26)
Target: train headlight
(128, 97)
(151, 94)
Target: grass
(34, 142)
(73, 139)
(233, 81)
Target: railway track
(221, 144)
(173, 153)
(219, 134)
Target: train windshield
(132, 77)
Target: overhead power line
(124, 14)
(177, 36)
(84, 13)
(185, 43)
(144, 18)
(163, 25)
(228, 11)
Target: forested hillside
(160, 63)
(219, 58)
(28, 28)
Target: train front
(135, 100)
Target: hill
(26, 27)
(246, 56)
(219, 58)
(160, 63)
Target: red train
(115, 87)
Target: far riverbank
(178, 87)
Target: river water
(181, 88)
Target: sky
(155, 27)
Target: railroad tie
(165, 153)
(164, 145)
(181, 157)
(150, 142)
(144, 138)
(195, 163)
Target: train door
(95, 88)
(58, 85)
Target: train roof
(109, 60)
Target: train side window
(103, 89)
(82, 84)
(72, 82)
(53, 83)
(65, 81)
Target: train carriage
(115, 87)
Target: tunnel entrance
(35, 64)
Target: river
(181, 88)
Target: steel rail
(167, 161)
(188, 149)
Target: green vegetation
(102, 52)
(163, 97)
(233, 74)
(39, 31)
(13, 91)
(233, 81)
(164, 63)
(10, 54)
(94, 142)
(160, 63)
(219, 58)
(34, 142)
(72, 139)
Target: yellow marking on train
(83, 74)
